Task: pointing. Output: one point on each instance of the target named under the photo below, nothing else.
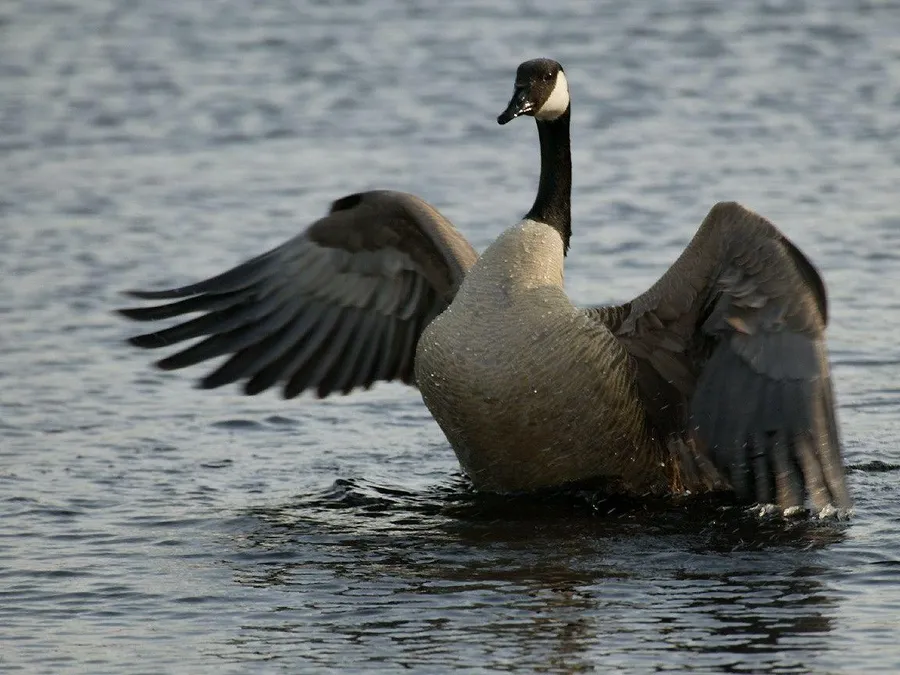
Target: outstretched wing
(730, 347)
(339, 306)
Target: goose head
(541, 91)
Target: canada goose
(715, 378)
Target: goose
(714, 379)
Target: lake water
(149, 527)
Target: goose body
(527, 387)
(716, 378)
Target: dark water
(148, 527)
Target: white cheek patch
(557, 102)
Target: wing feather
(337, 307)
(737, 325)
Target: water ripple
(145, 522)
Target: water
(146, 526)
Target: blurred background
(145, 525)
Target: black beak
(518, 105)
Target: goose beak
(518, 105)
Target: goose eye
(548, 77)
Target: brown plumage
(715, 378)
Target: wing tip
(161, 294)
(169, 363)
(133, 313)
(147, 341)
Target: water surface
(146, 526)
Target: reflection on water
(552, 585)
(146, 525)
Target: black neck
(552, 204)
